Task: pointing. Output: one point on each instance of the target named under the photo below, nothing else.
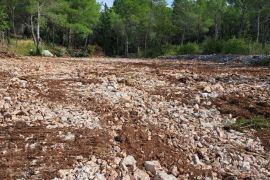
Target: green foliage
(58, 51)
(3, 20)
(140, 28)
(255, 123)
(212, 46)
(170, 50)
(189, 48)
(23, 47)
(91, 49)
(88, 52)
(236, 46)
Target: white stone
(196, 160)
(152, 166)
(7, 99)
(161, 175)
(128, 161)
(245, 166)
(47, 53)
(141, 175)
(198, 99)
(69, 137)
(208, 89)
(99, 176)
(175, 171)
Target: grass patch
(255, 123)
(22, 47)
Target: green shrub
(257, 48)
(189, 48)
(91, 49)
(23, 47)
(58, 51)
(236, 46)
(254, 123)
(212, 46)
(170, 50)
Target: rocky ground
(253, 60)
(131, 119)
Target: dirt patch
(264, 135)
(248, 108)
(242, 107)
(137, 141)
(38, 152)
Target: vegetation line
(141, 28)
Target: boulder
(152, 166)
(141, 175)
(47, 53)
(128, 161)
(207, 89)
(245, 166)
(161, 175)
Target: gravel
(138, 119)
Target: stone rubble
(171, 97)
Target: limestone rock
(152, 166)
(161, 175)
(141, 175)
(128, 161)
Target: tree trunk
(13, 21)
(242, 22)
(69, 38)
(183, 37)
(53, 33)
(145, 45)
(126, 48)
(216, 30)
(86, 42)
(2, 37)
(117, 45)
(258, 26)
(38, 32)
(32, 29)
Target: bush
(212, 46)
(236, 46)
(24, 47)
(189, 48)
(257, 48)
(170, 50)
(254, 123)
(91, 49)
(57, 51)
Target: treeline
(141, 28)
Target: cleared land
(70, 118)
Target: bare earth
(131, 119)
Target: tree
(3, 23)
(133, 14)
(203, 21)
(12, 6)
(38, 10)
(184, 17)
(82, 16)
(217, 9)
(259, 7)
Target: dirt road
(131, 119)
